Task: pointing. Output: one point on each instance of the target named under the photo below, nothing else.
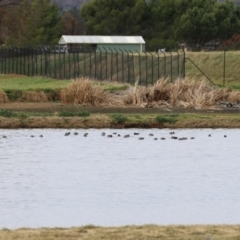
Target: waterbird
(32, 136)
(67, 134)
(114, 133)
(75, 133)
(172, 133)
(155, 139)
(151, 134)
(141, 138)
(126, 136)
(183, 138)
(41, 136)
(174, 137)
(209, 135)
(135, 133)
(109, 136)
(225, 136)
(103, 133)
(192, 138)
(4, 136)
(163, 138)
(85, 134)
(119, 135)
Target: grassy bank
(212, 64)
(145, 232)
(84, 119)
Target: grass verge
(85, 119)
(144, 232)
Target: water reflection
(64, 181)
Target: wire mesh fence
(70, 63)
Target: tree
(73, 23)
(205, 20)
(7, 3)
(113, 17)
(34, 22)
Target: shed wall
(119, 47)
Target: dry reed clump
(3, 97)
(181, 93)
(35, 96)
(82, 91)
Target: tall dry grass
(3, 97)
(82, 91)
(183, 93)
(35, 96)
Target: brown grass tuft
(182, 93)
(3, 97)
(82, 91)
(34, 96)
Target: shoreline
(150, 231)
(50, 115)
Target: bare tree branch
(5, 3)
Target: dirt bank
(46, 115)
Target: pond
(55, 180)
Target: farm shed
(105, 43)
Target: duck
(225, 136)
(135, 133)
(151, 134)
(172, 133)
(155, 139)
(163, 138)
(183, 138)
(67, 134)
(103, 134)
(126, 136)
(85, 134)
(174, 137)
(109, 136)
(192, 138)
(41, 136)
(75, 133)
(141, 138)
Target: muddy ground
(52, 107)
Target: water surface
(59, 181)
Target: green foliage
(119, 118)
(117, 17)
(205, 20)
(73, 114)
(7, 113)
(166, 119)
(34, 22)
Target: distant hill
(68, 4)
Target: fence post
(177, 63)
(152, 66)
(184, 61)
(122, 65)
(146, 69)
(140, 72)
(111, 62)
(127, 63)
(224, 67)
(117, 62)
(106, 63)
(133, 65)
(165, 64)
(171, 66)
(158, 65)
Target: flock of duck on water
(135, 133)
(173, 136)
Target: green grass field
(212, 64)
(25, 83)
